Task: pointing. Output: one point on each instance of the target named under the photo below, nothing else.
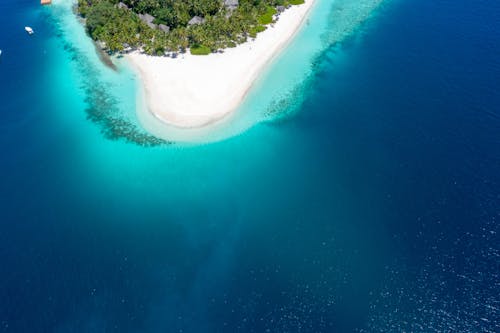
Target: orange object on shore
(45, 2)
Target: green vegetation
(200, 50)
(267, 17)
(169, 26)
(256, 29)
(295, 2)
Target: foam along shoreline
(194, 91)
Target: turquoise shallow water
(366, 202)
(279, 92)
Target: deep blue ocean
(373, 208)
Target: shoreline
(191, 92)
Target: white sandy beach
(193, 91)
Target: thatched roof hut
(148, 19)
(196, 20)
(121, 5)
(231, 4)
(164, 28)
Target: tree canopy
(218, 24)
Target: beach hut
(196, 20)
(148, 19)
(231, 4)
(45, 2)
(121, 5)
(164, 28)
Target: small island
(163, 27)
(196, 59)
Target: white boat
(29, 30)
